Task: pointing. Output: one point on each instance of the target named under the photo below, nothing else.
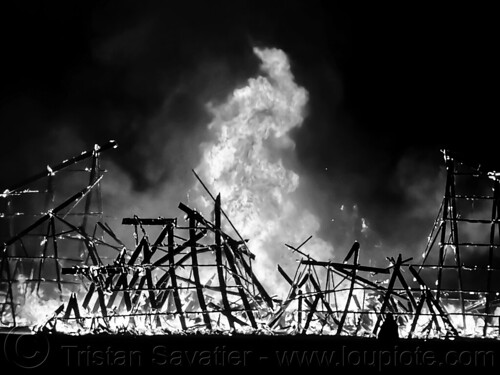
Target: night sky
(389, 86)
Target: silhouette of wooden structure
(194, 275)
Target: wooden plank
(311, 313)
(457, 249)
(6, 267)
(449, 167)
(218, 258)
(390, 287)
(44, 255)
(151, 293)
(299, 310)
(290, 298)
(88, 296)
(177, 250)
(431, 299)
(263, 293)
(351, 290)
(137, 251)
(325, 303)
(417, 313)
(56, 253)
(196, 274)
(72, 307)
(173, 279)
(494, 217)
(343, 266)
(109, 231)
(88, 199)
(252, 256)
(148, 221)
(353, 251)
(52, 170)
(413, 303)
(89, 243)
(81, 194)
(236, 277)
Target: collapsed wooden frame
(166, 280)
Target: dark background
(389, 85)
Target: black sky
(389, 86)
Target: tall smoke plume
(246, 164)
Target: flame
(245, 164)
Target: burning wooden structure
(193, 276)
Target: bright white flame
(244, 163)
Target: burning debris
(66, 270)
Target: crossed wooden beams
(394, 298)
(123, 277)
(52, 218)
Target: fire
(246, 164)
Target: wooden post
(311, 313)
(494, 221)
(390, 287)
(218, 259)
(173, 278)
(458, 261)
(196, 274)
(236, 277)
(355, 251)
(299, 310)
(449, 180)
(44, 255)
(417, 313)
(10, 295)
(56, 253)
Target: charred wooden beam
(78, 196)
(173, 279)
(5, 266)
(72, 307)
(89, 243)
(177, 250)
(351, 289)
(495, 214)
(56, 253)
(52, 170)
(434, 301)
(263, 293)
(146, 221)
(196, 274)
(218, 258)
(418, 310)
(454, 227)
(312, 311)
(105, 227)
(236, 277)
(247, 251)
(325, 303)
(343, 266)
(390, 287)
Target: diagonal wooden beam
(196, 274)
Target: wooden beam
(196, 274)
(173, 279)
(351, 290)
(387, 296)
(147, 221)
(49, 171)
(218, 259)
(311, 313)
(343, 266)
